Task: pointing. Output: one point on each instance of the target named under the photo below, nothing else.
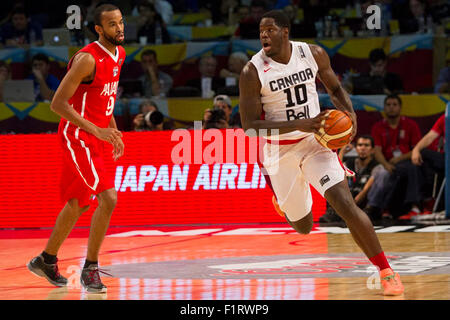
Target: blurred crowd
(394, 155)
(22, 21)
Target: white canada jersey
(288, 91)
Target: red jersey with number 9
(84, 158)
(95, 100)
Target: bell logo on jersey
(110, 88)
(292, 114)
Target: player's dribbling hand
(313, 124)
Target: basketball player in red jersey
(85, 101)
(278, 91)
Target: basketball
(338, 132)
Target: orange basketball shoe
(277, 207)
(391, 283)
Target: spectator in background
(151, 25)
(240, 12)
(366, 170)
(236, 62)
(249, 26)
(208, 83)
(5, 74)
(163, 8)
(45, 84)
(224, 102)
(214, 119)
(415, 18)
(225, 14)
(150, 118)
(395, 137)
(378, 80)
(428, 154)
(20, 31)
(154, 81)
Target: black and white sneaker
(90, 279)
(49, 271)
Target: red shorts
(84, 173)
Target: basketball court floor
(232, 262)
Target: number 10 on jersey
(300, 98)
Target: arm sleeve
(438, 127)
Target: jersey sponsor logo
(110, 88)
(227, 176)
(115, 71)
(294, 115)
(291, 80)
(265, 70)
(324, 180)
(101, 60)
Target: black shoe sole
(39, 273)
(93, 290)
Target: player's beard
(112, 40)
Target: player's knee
(304, 225)
(75, 208)
(108, 199)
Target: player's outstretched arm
(82, 68)
(339, 97)
(250, 109)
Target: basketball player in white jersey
(278, 91)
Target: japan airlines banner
(168, 177)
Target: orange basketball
(338, 132)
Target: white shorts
(293, 167)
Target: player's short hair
(366, 137)
(376, 55)
(102, 7)
(40, 57)
(281, 19)
(393, 96)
